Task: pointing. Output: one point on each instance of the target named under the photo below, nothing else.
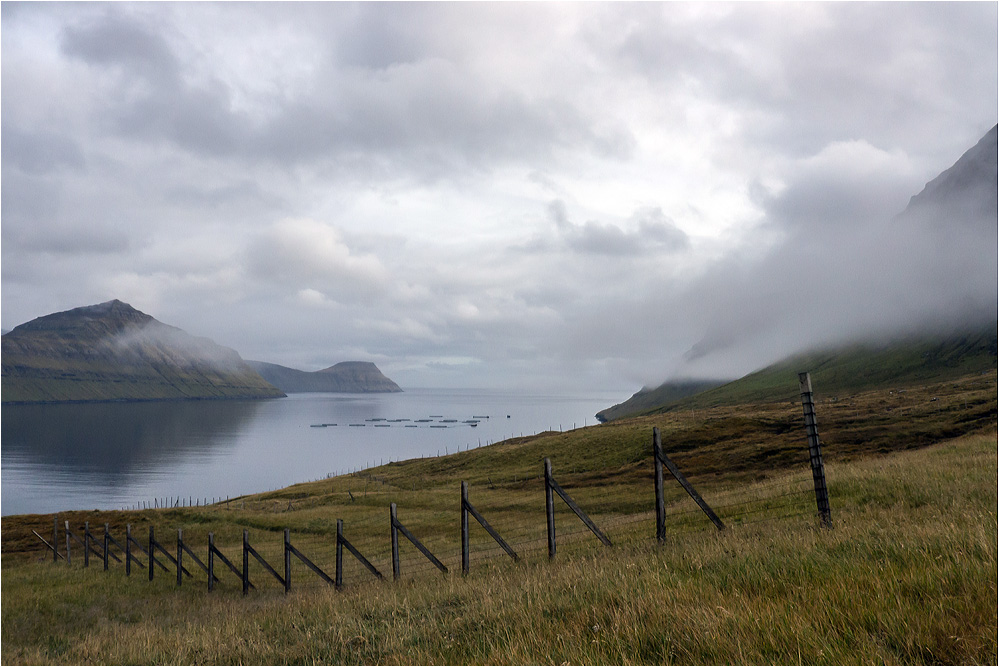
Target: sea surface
(124, 455)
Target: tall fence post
(211, 562)
(246, 562)
(395, 542)
(86, 544)
(550, 508)
(464, 528)
(180, 556)
(657, 448)
(67, 544)
(128, 549)
(815, 449)
(338, 578)
(55, 538)
(107, 543)
(152, 553)
(287, 560)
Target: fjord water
(114, 455)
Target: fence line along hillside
(381, 529)
(490, 507)
(428, 536)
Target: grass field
(906, 576)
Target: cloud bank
(548, 195)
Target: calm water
(108, 456)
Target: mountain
(967, 190)
(648, 398)
(962, 200)
(113, 352)
(909, 361)
(347, 377)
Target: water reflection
(114, 438)
(111, 455)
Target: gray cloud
(653, 233)
(310, 182)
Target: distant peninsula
(113, 352)
(346, 377)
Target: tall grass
(906, 576)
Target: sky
(556, 196)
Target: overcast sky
(494, 195)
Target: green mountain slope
(353, 377)
(848, 370)
(652, 398)
(113, 352)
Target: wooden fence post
(67, 544)
(395, 542)
(107, 543)
(468, 509)
(180, 556)
(550, 508)
(339, 554)
(55, 538)
(86, 544)
(246, 562)
(815, 449)
(211, 562)
(688, 487)
(152, 553)
(464, 528)
(128, 549)
(660, 500)
(287, 560)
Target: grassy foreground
(907, 576)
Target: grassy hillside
(907, 575)
(839, 372)
(652, 398)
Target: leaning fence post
(550, 508)
(287, 560)
(815, 449)
(339, 554)
(211, 562)
(657, 447)
(395, 542)
(464, 528)
(246, 562)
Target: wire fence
(623, 508)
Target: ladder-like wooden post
(815, 449)
(657, 449)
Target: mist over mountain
(928, 273)
(351, 377)
(967, 191)
(112, 352)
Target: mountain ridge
(353, 377)
(112, 352)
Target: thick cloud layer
(469, 194)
